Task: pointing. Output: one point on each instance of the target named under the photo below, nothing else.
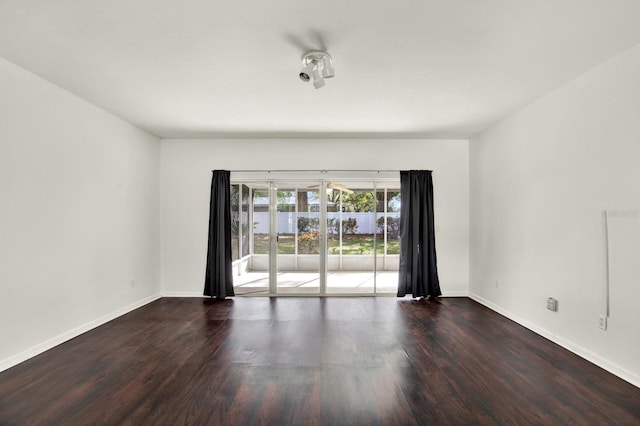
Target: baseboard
(194, 294)
(582, 352)
(455, 294)
(68, 335)
(182, 294)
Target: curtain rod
(307, 171)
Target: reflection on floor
(338, 282)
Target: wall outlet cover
(602, 322)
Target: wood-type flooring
(315, 361)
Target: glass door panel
(351, 237)
(388, 238)
(298, 237)
(250, 243)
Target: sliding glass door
(298, 237)
(316, 237)
(351, 237)
(387, 237)
(250, 237)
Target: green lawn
(351, 244)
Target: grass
(358, 244)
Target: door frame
(272, 185)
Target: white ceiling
(224, 68)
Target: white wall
(539, 181)
(79, 196)
(186, 180)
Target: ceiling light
(305, 73)
(318, 81)
(327, 68)
(317, 66)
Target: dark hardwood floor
(313, 361)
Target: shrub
(349, 226)
(308, 242)
(393, 226)
(308, 224)
(332, 226)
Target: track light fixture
(327, 68)
(318, 81)
(317, 66)
(305, 73)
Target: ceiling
(229, 68)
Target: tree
(359, 201)
(283, 199)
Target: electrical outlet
(602, 322)
(552, 304)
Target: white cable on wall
(605, 221)
(606, 216)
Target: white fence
(367, 222)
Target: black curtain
(418, 266)
(218, 281)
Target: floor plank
(313, 361)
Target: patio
(338, 282)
